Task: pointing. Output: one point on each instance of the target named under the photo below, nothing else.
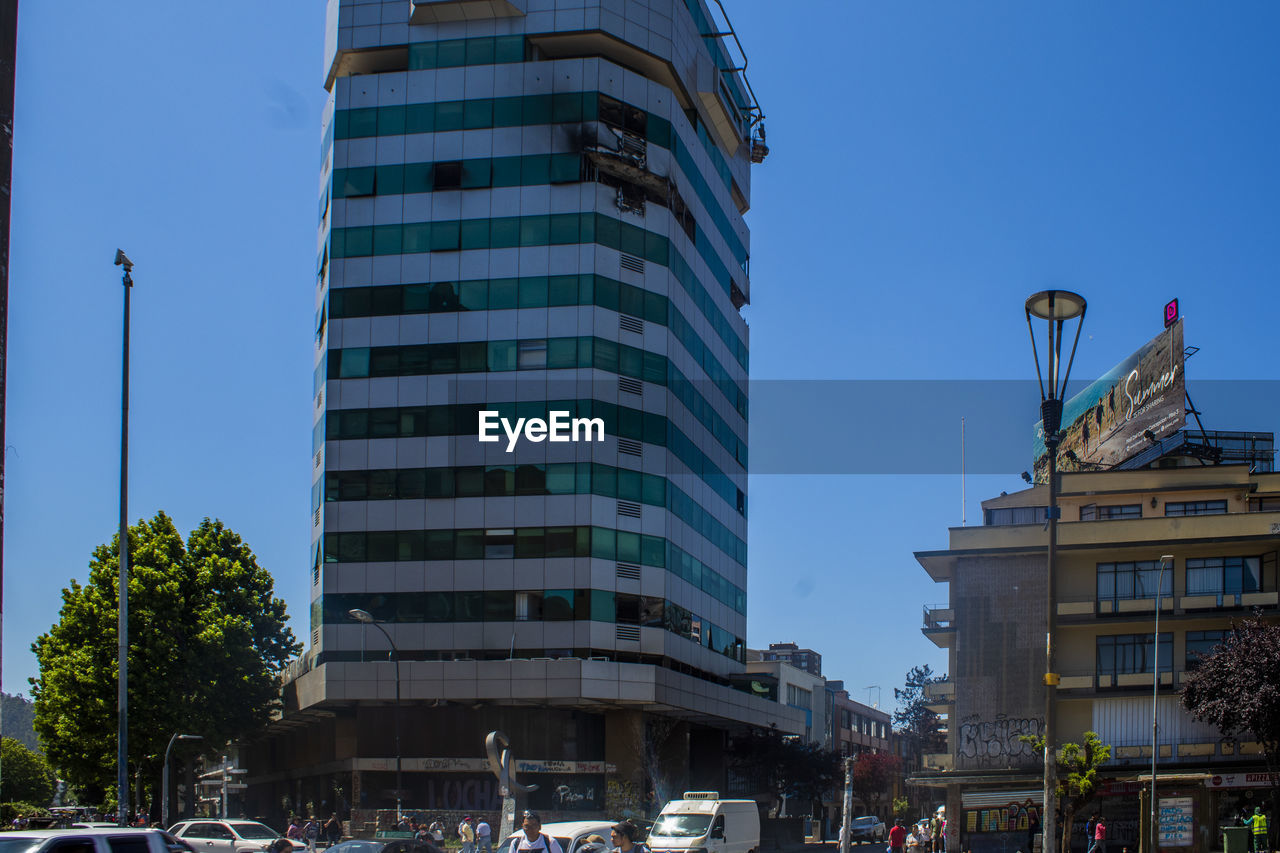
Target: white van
(701, 822)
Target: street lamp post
(122, 674)
(1055, 307)
(367, 618)
(1167, 559)
(164, 777)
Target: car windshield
(681, 825)
(19, 845)
(358, 847)
(864, 821)
(251, 829)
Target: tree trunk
(1068, 821)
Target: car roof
(573, 827)
(94, 830)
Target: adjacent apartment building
(532, 209)
(1221, 525)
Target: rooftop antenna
(876, 688)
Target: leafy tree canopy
(207, 640)
(922, 727)
(873, 775)
(17, 720)
(1077, 776)
(786, 766)
(26, 775)
(1236, 687)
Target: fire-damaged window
(623, 116)
(447, 175)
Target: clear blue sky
(932, 165)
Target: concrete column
(624, 748)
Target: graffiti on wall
(997, 743)
(623, 799)
(1013, 817)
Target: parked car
(227, 836)
(867, 828)
(114, 840)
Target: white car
(114, 840)
(228, 836)
(570, 834)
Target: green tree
(784, 766)
(1077, 777)
(26, 776)
(17, 720)
(207, 640)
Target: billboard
(1108, 422)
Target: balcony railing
(1138, 607)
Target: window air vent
(315, 576)
(315, 520)
(316, 464)
(627, 323)
(630, 447)
(631, 262)
(628, 571)
(320, 400)
(315, 636)
(630, 509)
(630, 386)
(627, 633)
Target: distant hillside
(17, 720)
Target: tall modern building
(526, 207)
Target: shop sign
(1177, 822)
(1243, 780)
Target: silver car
(104, 840)
(227, 836)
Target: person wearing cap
(468, 835)
(531, 836)
(623, 835)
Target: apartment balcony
(939, 625)
(938, 761)
(940, 697)
(1081, 610)
(1090, 682)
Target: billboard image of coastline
(1105, 424)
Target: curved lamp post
(1055, 307)
(367, 618)
(164, 777)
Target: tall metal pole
(8, 61)
(1055, 306)
(1155, 696)
(122, 685)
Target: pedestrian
(935, 835)
(531, 836)
(1259, 824)
(623, 836)
(593, 844)
(294, 832)
(897, 837)
(311, 833)
(281, 845)
(467, 833)
(333, 830)
(1088, 829)
(1099, 836)
(437, 831)
(484, 837)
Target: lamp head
(122, 260)
(1056, 305)
(1167, 558)
(360, 615)
(190, 737)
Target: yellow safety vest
(1259, 822)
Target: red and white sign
(1241, 780)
